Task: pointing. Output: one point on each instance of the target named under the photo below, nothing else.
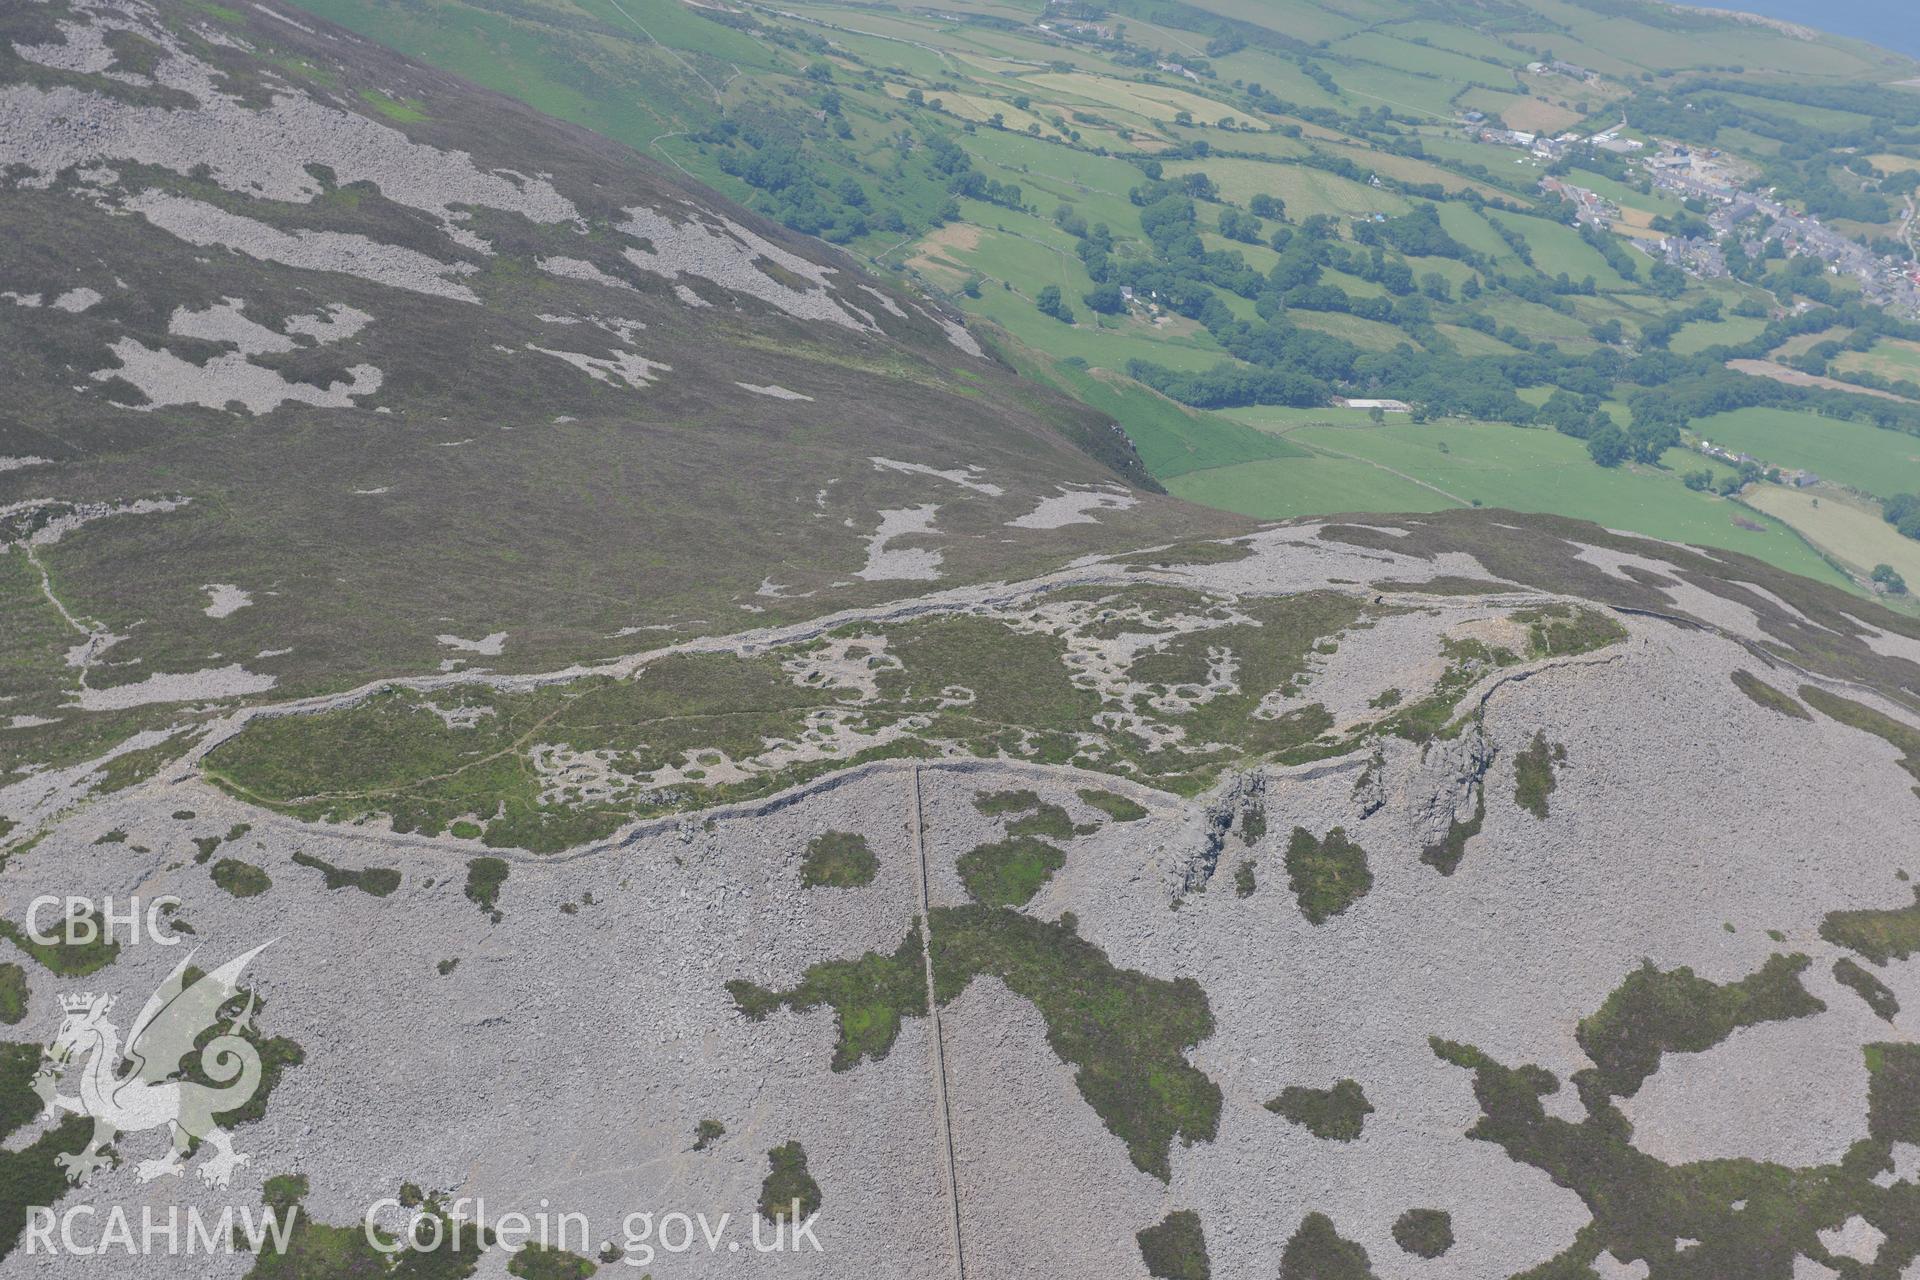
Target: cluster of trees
(1417, 234)
(790, 184)
(1618, 256)
(1244, 227)
(1228, 386)
(1702, 480)
(1660, 331)
(1685, 225)
(1320, 76)
(1107, 299)
(951, 160)
(1902, 511)
(1584, 418)
(1050, 303)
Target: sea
(1891, 24)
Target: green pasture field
(1537, 44)
(1702, 334)
(1354, 285)
(1456, 272)
(1286, 487)
(1557, 247)
(1402, 466)
(1372, 335)
(1099, 346)
(1508, 167)
(1300, 19)
(1536, 321)
(1373, 84)
(1753, 143)
(1826, 119)
(1145, 101)
(1409, 169)
(1426, 60)
(1800, 344)
(1470, 229)
(1172, 439)
(1306, 191)
(1280, 74)
(1277, 145)
(1462, 39)
(1855, 454)
(1096, 185)
(1889, 358)
(1471, 342)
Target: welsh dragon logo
(131, 1089)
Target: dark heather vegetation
(1328, 874)
(485, 878)
(789, 1193)
(1007, 873)
(1175, 1248)
(395, 755)
(13, 993)
(1562, 630)
(838, 859)
(1126, 1034)
(1765, 695)
(997, 804)
(1273, 290)
(1117, 807)
(1533, 774)
(1434, 715)
(1244, 880)
(376, 881)
(1655, 1012)
(28, 1173)
(1749, 1217)
(1316, 1251)
(1338, 1113)
(536, 1261)
(278, 1054)
(669, 543)
(322, 1251)
(1424, 1233)
(1445, 854)
(82, 948)
(1563, 331)
(1880, 935)
(1878, 995)
(1899, 735)
(241, 879)
(870, 998)
(1048, 820)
